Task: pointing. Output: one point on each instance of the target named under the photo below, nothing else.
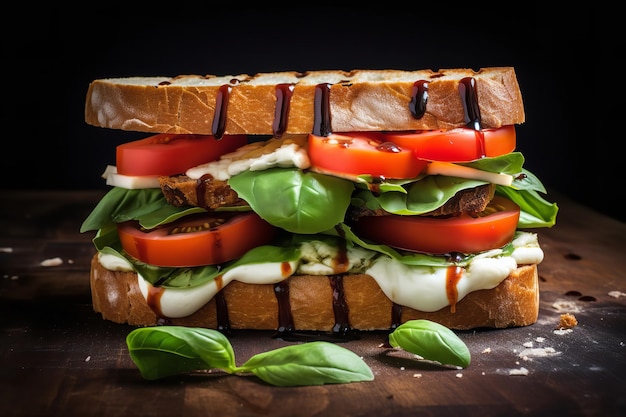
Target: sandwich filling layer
(423, 288)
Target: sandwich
(325, 201)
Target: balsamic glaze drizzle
(321, 121)
(419, 99)
(223, 321)
(285, 319)
(396, 315)
(340, 306)
(322, 127)
(284, 92)
(467, 90)
(221, 108)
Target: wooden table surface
(59, 358)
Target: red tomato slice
(167, 154)
(457, 145)
(196, 240)
(493, 229)
(362, 153)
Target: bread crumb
(538, 352)
(528, 344)
(88, 358)
(567, 321)
(564, 306)
(459, 375)
(521, 371)
(52, 262)
(487, 350)
(540, 339)
(417, 375)
(617, 294)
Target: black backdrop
(51, 53)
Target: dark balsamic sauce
(154, 299)
(396, 315)
(469, 97)
(201, 189)
(419, 99)
(285, 319)
(284, 92)
(453, 275)
(467, 89)
(321, 121)
(221, 109)
(223, 321)
(388, 147)
(340, 307)
(580, 296)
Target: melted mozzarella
(181, 302)
(419, 287)
(289, 151)
(453, 170)
(130, 182)
(114, 263)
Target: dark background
(561, 57)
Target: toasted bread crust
(515, 302)
(359, 100)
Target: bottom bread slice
(312, 304)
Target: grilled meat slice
(471, 201)
(205, 192)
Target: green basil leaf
(510, 163)
(107, 236)
(149, 206)
(314, 363)
(295, 200)
(171, 277)
(163, 351)
(420, 197)
(528, 181)
(431, 341)
(166, 214)
(536, 212)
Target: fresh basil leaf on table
(431, 341)
(163, 351)
(313, 363)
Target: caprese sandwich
(326, 201)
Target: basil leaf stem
(313, 363)
(431, 341)
(164, 351)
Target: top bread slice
(359, 100)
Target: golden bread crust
(515, 302)
(360, 100)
